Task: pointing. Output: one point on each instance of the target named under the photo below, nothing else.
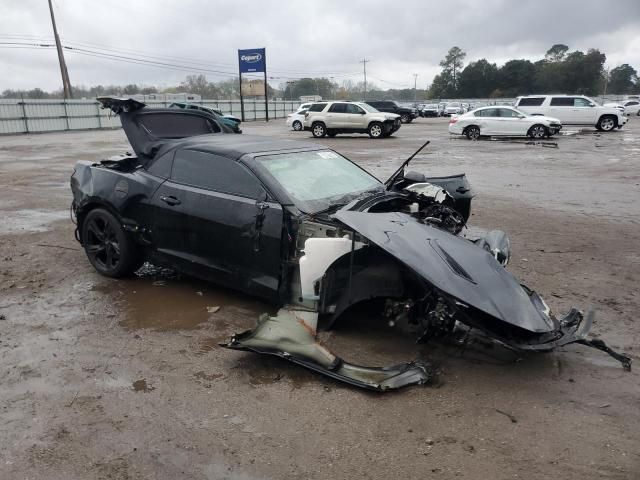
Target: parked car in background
(295, 120)
(430, 110)
(441, 108)
(230, 121)
(506, 121)
(628, 107)
(406, 114)
(332, 118)
(453, 108)
(573, 110)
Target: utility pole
(66, 83)
(415, 83)
(364, 67)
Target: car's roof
(235, 146)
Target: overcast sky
(302, 38)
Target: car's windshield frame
(311, 206)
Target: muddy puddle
(29, 220)
(161, 301)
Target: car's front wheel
(109, 248)
(318, 130)
(537, 132)
(606, 123)
(297, 125)
(472, 132)
(376, 130)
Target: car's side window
(338, 108)
(531, 102)
(354, 109)
(581, 102)
(507, 112)
(213, 172)
(161, 166)
(317, 107)
(562, 102)
(487, 112)
(631, 104)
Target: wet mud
(124, 379)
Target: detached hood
(148, 129)
(453, 265)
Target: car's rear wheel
(297, 125)
(606, 123)
(109, 248)
(537, 131)
(472, 132)
(405, 118)
(375, 130)
(318, 130)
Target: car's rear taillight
(453, 120)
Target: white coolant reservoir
(319, 253)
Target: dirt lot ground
(123, 379)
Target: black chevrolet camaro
(302, 226)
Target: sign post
(253, 61)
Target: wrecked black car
(307, 229)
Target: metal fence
(33, 116)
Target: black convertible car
(302, 226)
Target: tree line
(560, 71)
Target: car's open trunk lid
(150, 128)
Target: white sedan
(296, 119)
(506, 121)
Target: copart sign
(252, 61)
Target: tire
(109, 248)
(405, 118)
(472, 132)
(297, 125)
(318, 130)
(606, 123)
(375, 130)
(537, 132)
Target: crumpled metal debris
(291, 335)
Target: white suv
(331, 118)
(573, 110)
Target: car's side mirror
(522, 116)
(592, 105)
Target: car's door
(562, 109)
(336, 116)
(583, 112)
(488, 121)
(510, 122)
(216, 221)
(355, 117)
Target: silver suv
(332, 118)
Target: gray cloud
(324, 38)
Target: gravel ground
(123, 379)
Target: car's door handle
(170, 200)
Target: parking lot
(124, 379)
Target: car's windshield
(369, 108)
(453, 104)
(319, 180)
